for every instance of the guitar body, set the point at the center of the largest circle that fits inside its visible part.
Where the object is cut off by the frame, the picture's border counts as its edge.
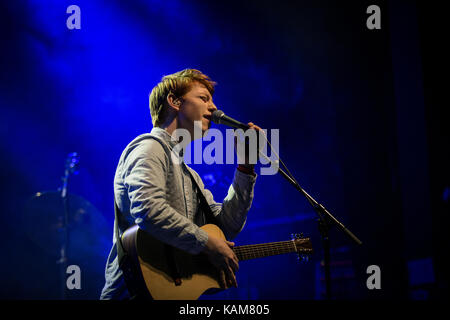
(168, 273)
(160, 266)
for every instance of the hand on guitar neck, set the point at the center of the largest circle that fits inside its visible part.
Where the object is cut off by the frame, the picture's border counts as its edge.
(223, 257)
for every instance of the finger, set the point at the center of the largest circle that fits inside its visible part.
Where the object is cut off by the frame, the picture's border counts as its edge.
(234, 263)
(253, 126)
(237, 141)
(222, 280)
(231, 277)
(231, 244)
(234, 259)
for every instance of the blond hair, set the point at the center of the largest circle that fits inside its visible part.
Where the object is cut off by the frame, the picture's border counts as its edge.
(179, 84)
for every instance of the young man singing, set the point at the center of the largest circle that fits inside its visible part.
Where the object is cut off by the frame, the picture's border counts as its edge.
(158, 194)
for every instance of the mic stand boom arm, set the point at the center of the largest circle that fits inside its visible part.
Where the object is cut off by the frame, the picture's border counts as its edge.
(320, 209)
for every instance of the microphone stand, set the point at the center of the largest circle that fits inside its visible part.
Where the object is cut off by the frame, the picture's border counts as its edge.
(325, 221)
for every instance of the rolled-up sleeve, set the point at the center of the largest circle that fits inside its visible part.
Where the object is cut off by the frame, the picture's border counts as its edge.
(145, 180)
(232, 212)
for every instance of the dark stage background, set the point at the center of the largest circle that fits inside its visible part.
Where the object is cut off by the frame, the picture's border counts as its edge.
(361, 126)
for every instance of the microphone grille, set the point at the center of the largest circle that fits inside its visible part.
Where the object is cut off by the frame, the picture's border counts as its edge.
(216, 115)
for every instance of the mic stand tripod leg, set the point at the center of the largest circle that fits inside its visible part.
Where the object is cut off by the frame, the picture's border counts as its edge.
(323, 230)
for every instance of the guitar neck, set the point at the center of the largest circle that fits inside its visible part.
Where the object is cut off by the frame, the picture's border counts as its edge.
(264, 250)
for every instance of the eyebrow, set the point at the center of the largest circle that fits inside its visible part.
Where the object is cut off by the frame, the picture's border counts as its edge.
(206, 93)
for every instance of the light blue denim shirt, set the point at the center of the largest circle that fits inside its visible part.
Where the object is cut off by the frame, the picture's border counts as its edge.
(158, 195)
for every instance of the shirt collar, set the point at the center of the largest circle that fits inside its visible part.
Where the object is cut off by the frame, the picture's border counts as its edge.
(164, 135)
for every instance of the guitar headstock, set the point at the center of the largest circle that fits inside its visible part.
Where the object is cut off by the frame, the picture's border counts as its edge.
(303, 246)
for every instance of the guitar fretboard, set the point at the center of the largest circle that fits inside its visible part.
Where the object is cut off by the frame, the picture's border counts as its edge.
(263, 250)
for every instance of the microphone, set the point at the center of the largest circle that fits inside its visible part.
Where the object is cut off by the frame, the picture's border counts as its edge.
(218, 117)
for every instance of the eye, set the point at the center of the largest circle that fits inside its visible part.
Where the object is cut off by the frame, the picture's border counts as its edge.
(204, 98)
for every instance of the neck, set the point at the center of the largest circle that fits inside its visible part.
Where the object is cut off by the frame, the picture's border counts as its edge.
(174, 124)
(171, 126)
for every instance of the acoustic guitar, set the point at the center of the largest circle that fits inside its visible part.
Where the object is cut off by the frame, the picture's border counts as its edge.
(172, 274)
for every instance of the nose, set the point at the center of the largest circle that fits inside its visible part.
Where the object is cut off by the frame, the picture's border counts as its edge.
(212, 107)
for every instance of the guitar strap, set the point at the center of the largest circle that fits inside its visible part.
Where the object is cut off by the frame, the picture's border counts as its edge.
(205, 214)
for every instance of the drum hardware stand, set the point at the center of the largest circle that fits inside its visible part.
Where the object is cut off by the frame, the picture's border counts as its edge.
(70, 168)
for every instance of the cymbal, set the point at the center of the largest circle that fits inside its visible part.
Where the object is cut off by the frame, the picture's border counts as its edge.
(43, 221)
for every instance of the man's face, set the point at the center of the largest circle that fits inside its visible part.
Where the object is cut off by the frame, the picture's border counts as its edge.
(197, 105)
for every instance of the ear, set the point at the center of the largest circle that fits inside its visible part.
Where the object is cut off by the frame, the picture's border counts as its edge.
(173, 101)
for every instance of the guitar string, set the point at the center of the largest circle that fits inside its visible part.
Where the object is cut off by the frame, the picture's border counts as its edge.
(245, 256)
(264, 252)
(289, 242)
(265, 249)
(248, 251)
(263, 246)
(278, 245)
(250, 248)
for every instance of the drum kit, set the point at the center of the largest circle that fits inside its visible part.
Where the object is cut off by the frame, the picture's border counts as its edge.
(66, 230)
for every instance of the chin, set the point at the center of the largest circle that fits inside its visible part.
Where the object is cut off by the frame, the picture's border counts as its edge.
(206, 127)
(205, 130)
